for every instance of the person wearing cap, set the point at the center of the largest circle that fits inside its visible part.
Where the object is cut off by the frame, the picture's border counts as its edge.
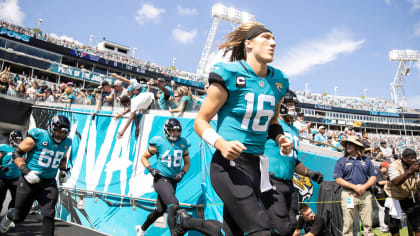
(281, 202)
(132, 92)
(90, 98)
(303, 127)
(41, 90)
(355, 173)
(386, 151)
(366, 142)
(381, 179)
(320, 137)
(403, 189)
(106, 97)
(140, 103)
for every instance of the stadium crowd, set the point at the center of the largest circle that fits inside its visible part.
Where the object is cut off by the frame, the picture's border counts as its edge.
(370, 104)
(136, 62)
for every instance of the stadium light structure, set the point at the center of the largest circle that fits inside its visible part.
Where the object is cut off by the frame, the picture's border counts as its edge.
(173, 62)
(90, 39)
(405, 57)
(220, 12)
(39, 24)
(134, 51)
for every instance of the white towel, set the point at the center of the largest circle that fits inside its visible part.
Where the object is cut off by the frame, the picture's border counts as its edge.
(394, 208)
(265, 178)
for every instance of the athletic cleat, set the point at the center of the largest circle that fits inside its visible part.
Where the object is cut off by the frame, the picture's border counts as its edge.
(139, 231)
(181, 217)
(5, 224)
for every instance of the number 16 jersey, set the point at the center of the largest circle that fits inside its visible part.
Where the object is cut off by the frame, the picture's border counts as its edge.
(251, 102)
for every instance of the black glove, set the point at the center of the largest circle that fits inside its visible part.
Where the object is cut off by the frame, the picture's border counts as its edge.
(154, 172)
(315, 176)
(63, 175)
(178, 177)
(4, 169)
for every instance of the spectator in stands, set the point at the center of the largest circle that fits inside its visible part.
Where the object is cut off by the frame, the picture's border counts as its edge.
(303, 127)
(138, 104)
(355, 173)
(198, 100)
(21, 90)
(41, 90)
(386, 151)
(4, 80)
(320, 137)
(314, 225)
(348, 131)
(49, 96)
(366, 143)
(68, 96)
(377, 154)
(164, 94)
(105, 98)
(118, 90)
(404, 190)
(185, 103)
(31, 93)
(381, 180)
(90, 99)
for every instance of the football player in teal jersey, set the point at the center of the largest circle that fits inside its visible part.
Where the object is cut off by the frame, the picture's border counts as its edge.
(246, 95)
(170, 151)
(9, 173)
(45, 154)
(281, 201)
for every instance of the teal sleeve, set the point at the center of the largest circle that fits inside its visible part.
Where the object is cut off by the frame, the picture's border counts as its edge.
(35, 133)
(156, 141)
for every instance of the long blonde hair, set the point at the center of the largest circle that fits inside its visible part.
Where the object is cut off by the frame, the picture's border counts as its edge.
(235, 41)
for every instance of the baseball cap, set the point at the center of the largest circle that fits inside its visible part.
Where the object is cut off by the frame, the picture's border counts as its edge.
(134, 86)
(117, 83)
(70, 84)
(384, 164)
(104, 83)
(321, 127)
(43, 83)
(161, 80)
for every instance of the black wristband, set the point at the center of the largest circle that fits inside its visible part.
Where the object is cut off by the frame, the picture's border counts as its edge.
(24, 169)
(274, 130)
(149, 168)
(18, 153)
(64, 169)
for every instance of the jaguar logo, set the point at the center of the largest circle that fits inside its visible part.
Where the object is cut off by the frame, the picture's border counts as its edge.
(304, 186)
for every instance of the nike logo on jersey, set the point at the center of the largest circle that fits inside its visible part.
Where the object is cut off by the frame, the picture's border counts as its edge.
(240, 82)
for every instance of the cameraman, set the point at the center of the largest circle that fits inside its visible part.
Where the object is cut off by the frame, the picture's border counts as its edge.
(404, 186)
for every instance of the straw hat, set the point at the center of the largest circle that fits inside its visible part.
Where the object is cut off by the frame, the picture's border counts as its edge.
(351, 139)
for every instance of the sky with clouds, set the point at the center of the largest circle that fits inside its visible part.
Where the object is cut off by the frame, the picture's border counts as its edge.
(326, 43)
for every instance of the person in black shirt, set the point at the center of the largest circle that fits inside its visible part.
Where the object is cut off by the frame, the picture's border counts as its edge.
(314, 225)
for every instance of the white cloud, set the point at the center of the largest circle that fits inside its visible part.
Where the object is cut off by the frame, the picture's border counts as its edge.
(388, 2)
(65, 37)
(309, 54)
(148, 12)
(186, 11)
(415, 4)
(10, 11)
(183, 36)
(414, 102)
(416, 28)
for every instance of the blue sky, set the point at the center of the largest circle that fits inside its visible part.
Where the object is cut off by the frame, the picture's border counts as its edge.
(325, 43)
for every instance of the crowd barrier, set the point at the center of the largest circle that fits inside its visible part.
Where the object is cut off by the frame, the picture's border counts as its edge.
(109, 190)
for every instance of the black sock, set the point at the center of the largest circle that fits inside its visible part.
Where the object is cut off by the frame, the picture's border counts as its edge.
(47, 226)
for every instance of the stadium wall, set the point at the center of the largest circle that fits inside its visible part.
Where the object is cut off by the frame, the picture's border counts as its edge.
(110, 191)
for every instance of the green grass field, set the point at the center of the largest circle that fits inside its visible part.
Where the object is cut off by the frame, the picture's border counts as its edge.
(403, 232)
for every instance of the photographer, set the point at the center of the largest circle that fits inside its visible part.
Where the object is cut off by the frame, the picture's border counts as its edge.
(404, 186)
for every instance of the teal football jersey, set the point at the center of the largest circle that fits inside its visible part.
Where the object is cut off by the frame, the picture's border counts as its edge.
(169, 155)
(250, 105)
(283, 166)
(165, 104)
(46, 156)
(7, 161)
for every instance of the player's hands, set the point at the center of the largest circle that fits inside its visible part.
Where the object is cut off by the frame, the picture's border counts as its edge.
(286, 145)
(230, 149)
(63, 175)
(32, 177)
(414, 167)
(315, 176)
(4, 169)
(178, 177)
(154, 172)
(117, 116)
